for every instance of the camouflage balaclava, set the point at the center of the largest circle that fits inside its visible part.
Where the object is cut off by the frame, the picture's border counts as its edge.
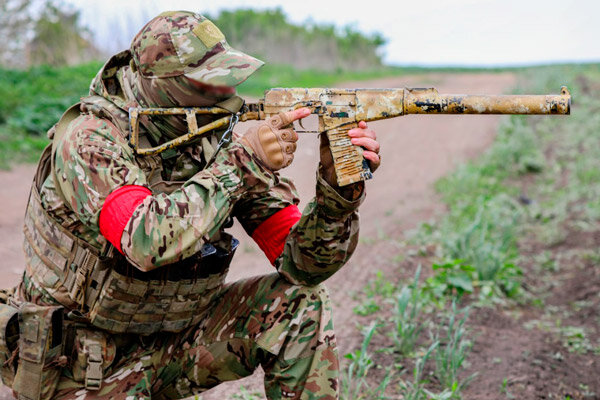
(169, 54)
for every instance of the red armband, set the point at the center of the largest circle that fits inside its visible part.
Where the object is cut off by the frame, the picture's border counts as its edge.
(272, 233)
(117, 211)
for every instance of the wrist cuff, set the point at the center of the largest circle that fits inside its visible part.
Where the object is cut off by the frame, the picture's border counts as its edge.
(333, 203)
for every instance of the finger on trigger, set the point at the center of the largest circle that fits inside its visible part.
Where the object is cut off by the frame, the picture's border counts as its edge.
(362, 124)
(295, 115)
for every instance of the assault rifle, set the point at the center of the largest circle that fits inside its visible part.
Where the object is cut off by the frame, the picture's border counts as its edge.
(340, 110)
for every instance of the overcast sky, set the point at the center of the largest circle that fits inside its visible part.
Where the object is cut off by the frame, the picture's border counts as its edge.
(432, 32)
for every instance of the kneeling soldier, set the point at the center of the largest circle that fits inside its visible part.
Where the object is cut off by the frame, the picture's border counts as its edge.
(133, 248)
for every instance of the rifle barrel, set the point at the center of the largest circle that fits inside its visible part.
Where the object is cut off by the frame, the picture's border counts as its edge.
(429, 101)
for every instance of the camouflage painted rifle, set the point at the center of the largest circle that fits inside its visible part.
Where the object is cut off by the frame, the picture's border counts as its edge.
(340, 110)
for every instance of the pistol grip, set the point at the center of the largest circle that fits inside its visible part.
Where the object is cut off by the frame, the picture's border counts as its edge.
(350, 166)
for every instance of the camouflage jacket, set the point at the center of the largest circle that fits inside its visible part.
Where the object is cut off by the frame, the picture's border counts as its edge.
(93, 159)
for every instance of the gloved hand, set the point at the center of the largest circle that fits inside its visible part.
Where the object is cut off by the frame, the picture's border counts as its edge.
(274, 140)
(360, 136)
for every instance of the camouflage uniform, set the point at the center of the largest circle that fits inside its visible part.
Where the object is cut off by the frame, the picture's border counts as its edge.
(280, 321)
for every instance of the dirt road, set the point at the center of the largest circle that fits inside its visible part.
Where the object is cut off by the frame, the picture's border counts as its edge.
(416, 151)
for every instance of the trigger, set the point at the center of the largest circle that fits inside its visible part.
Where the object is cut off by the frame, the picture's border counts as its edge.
(301, 126)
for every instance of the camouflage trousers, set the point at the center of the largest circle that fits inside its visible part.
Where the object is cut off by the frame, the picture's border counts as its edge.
(264, 321)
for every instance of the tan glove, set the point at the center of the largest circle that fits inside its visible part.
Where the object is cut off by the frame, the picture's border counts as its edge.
(274, 140)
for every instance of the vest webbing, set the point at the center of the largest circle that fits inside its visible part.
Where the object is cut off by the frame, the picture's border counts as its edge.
(96, 278)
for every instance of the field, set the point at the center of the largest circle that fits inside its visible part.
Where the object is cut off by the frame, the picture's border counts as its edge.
(499, 296)
(480, 246)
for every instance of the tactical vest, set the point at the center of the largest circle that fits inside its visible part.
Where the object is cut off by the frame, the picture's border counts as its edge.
(105, 290)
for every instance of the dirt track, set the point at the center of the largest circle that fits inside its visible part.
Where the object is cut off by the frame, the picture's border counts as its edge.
(416, 151)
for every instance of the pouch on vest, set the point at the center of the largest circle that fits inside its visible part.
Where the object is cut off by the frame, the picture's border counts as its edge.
(40, 351)
(9, 337)
(93, 353)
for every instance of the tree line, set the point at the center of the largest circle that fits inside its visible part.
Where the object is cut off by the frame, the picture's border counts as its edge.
(46, 32)
(269, 35)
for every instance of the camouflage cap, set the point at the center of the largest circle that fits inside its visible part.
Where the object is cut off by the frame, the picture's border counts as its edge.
(184, 43)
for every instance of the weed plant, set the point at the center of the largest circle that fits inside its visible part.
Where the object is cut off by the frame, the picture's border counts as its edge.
(415, 389)
(487, 239)
(575, 339)
(451, 353)
(504, 389)
(478, 238)
(406, 319)
(354, 382)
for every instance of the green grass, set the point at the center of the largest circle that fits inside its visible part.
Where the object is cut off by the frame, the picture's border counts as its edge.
(414, 389)
(31, 101)
(17, 147)
(378, 287)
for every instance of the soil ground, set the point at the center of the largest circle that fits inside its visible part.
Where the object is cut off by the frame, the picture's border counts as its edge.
(524, 351)
(416, 151)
